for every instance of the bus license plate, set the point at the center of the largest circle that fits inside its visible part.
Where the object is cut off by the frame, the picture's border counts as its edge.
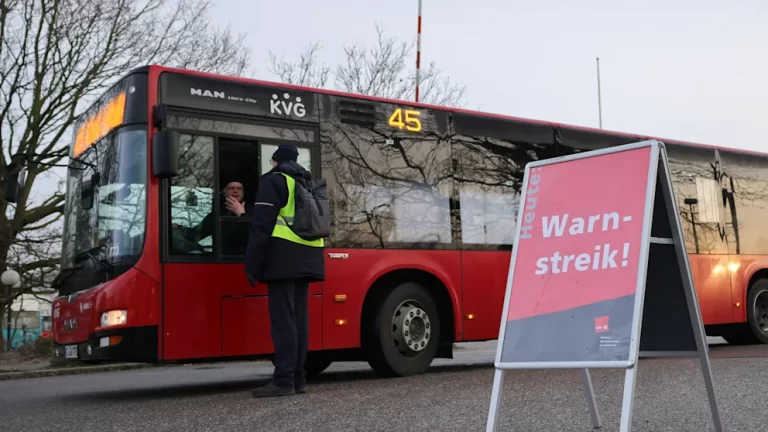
(70, 351)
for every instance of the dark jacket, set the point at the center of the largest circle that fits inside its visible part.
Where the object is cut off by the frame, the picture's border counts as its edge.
(234, 234)
(271, 259)
(206, 226)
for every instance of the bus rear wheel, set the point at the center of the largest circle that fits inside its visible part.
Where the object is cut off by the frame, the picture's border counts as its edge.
(403, 336)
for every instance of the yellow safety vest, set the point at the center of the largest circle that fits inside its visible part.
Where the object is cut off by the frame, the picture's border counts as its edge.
(285, 219)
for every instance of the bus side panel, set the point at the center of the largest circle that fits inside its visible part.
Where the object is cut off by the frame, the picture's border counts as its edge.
(744, 267)
(485, 281)
(712, 282)
(210, 310)
(704, 220)
(192, 309)
(351, 272)
(744, 187)
(488, 159)
(246, 327)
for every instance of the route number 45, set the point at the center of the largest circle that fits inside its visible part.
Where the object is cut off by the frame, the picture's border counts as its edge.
(408, 119)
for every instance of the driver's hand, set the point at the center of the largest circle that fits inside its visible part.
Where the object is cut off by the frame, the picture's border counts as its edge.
(234, 206)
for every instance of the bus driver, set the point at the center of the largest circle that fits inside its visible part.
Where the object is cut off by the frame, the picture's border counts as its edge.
(234, 205)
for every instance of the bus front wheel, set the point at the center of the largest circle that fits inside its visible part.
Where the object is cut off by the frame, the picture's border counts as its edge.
(403, 336)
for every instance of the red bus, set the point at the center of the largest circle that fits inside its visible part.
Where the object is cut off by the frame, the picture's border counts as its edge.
(424, 200)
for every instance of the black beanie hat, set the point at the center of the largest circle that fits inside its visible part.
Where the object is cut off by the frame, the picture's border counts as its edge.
(285, 153)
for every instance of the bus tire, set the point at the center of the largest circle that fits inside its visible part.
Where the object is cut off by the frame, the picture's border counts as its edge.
(757, 311)
(755, 331)
(315, 365)
(403, 337)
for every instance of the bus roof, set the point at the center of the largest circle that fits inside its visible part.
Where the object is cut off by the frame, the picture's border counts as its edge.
(436, 107)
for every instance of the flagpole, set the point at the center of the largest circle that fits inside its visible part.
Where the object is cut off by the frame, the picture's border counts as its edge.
(599, 96)
(418, 53)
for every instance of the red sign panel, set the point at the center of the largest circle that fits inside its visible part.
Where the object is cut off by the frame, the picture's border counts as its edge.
(576, 268)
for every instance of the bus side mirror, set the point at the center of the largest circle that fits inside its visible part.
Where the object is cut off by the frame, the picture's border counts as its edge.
(165, 153)
(86, 198)
(14, 181)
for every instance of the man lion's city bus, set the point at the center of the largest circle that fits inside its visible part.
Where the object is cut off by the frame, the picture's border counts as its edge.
(424, 201)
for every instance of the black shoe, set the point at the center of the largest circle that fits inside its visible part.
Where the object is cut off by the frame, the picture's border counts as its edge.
(271, 390)
(300, 383)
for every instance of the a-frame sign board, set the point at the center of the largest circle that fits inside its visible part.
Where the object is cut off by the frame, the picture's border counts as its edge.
(599, 256)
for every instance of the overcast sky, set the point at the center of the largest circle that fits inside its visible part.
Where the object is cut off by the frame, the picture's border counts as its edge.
(694, 70)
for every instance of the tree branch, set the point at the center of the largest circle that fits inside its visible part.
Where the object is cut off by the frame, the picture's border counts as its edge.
(56, 57)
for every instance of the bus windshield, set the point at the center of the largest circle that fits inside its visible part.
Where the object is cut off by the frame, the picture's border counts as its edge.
(113, 228)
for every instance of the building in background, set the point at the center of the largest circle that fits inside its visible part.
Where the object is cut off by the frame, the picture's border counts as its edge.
(30, 318)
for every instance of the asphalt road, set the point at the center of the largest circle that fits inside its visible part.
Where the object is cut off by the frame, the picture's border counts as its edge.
(453, 396)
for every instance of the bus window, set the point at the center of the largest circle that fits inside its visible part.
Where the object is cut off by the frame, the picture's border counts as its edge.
(489, 158)
(305, 157)
(191, 199)
(390, 187)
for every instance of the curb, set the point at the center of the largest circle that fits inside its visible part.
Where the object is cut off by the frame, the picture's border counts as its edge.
(72, 371)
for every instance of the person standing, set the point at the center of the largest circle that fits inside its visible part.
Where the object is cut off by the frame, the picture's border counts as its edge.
(275, 255)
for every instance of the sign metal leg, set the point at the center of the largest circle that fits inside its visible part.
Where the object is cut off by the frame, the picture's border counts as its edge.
(498, 384)
(586, 381)
(630, 378)
(706, 366)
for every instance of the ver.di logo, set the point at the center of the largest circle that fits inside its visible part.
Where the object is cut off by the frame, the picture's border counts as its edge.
(287, 107)
(601, 324)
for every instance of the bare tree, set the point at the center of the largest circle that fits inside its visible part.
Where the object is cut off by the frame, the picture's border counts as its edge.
(384, 70)
(56, 56)
(305, 71)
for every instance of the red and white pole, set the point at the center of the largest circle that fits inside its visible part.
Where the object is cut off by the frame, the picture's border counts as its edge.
(418, 54)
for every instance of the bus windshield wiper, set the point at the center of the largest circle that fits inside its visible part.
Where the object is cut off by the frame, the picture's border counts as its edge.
(101, 263)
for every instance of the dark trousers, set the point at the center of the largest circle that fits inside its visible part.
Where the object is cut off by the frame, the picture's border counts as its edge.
(290, 329)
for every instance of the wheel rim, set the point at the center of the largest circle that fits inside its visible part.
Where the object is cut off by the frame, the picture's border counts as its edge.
(411, 329)
(761, 311)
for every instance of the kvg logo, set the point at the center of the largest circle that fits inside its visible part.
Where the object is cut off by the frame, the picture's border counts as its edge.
(287, 107)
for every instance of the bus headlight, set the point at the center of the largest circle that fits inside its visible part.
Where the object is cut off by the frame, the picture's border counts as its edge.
(114, 317)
